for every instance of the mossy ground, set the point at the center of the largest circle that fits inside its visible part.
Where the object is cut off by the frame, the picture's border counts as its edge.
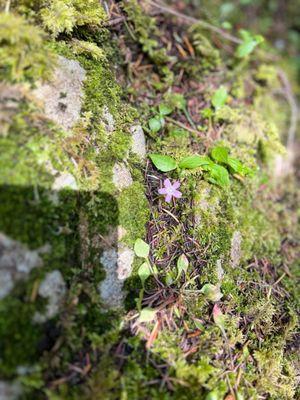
(90, 353)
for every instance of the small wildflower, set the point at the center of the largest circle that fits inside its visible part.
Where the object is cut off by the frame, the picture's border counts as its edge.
(170, 190)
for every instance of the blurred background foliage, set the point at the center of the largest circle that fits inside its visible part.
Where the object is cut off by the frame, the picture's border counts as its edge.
(277, 20)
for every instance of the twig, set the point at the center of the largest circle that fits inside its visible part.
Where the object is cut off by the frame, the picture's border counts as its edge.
(114, 21)
(193, 20)
(181, 125)
(293, 106)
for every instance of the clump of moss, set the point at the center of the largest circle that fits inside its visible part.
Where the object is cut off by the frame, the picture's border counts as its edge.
(24, 56)
(63, 16)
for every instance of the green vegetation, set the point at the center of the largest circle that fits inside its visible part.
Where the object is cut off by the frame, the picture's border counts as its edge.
(211, 304)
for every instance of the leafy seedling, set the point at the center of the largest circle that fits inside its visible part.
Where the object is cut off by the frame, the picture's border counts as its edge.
(144, 272)
(147, 314)
(219, 317)
(155, 124)
(182, 265)
(250, 42)
(158, 121)
(218, 175)
(192, 162)
(211, 292)
(220, 154)
(219, 98)
(141, 248)
(163, 163)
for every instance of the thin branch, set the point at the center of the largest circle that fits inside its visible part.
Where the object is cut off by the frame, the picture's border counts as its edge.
(175, 122)
(115, 21)
(193, 20)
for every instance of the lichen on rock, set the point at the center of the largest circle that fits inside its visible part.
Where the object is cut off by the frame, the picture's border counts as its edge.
(62, 96)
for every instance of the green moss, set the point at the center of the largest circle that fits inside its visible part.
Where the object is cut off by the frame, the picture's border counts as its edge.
(19, 337)
(133, 212)
(190, 354)
(63, 16)
(23, 55)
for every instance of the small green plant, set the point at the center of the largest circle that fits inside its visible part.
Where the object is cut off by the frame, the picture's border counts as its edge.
(174, 101)
(142, 250)
(250, 42)
(158, 121)
(216, 167)
(219, 98)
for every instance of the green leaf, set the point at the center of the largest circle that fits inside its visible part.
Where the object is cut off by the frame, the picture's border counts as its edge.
(182, 265)
(165, 109)
(155, 124)
(211, 292)
(219, 175)
(144, 272)
(169, 279)
(147, 314)
(246, 48)
(195, 161)
(249, 43)
(178, 100)
(238, 167)
(214, 395)
(219, 317)
(219, 98)
(141, 248)
(220, 154)
(198, 324)
(163, 163)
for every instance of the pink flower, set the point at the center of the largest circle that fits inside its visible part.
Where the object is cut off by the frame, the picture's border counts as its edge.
(170, 190)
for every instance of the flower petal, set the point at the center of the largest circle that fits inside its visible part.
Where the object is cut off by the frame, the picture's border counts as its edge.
(176, 185)
(177, 194)
(168, 198)
(167, 183)
(162, 191)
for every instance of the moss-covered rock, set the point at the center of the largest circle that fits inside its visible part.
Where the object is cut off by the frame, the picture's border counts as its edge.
(211, 314)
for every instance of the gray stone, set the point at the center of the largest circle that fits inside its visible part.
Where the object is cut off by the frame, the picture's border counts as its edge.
(111, 288)
(16, 262)
(62, 95)
(10, 390)
(235, 251)
(125, 260)
(121, 176)
(108, 120)
(117, 266)
(53, 288)
(64, 181)
(138, 146)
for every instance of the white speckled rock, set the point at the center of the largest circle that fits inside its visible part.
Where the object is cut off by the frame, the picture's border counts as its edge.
(118, 267)
(16, 262)
(138, 141)
(64, 181)
(53, 288)
(125, 260)
(121, 176)
(62, 96)
(10, 390)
